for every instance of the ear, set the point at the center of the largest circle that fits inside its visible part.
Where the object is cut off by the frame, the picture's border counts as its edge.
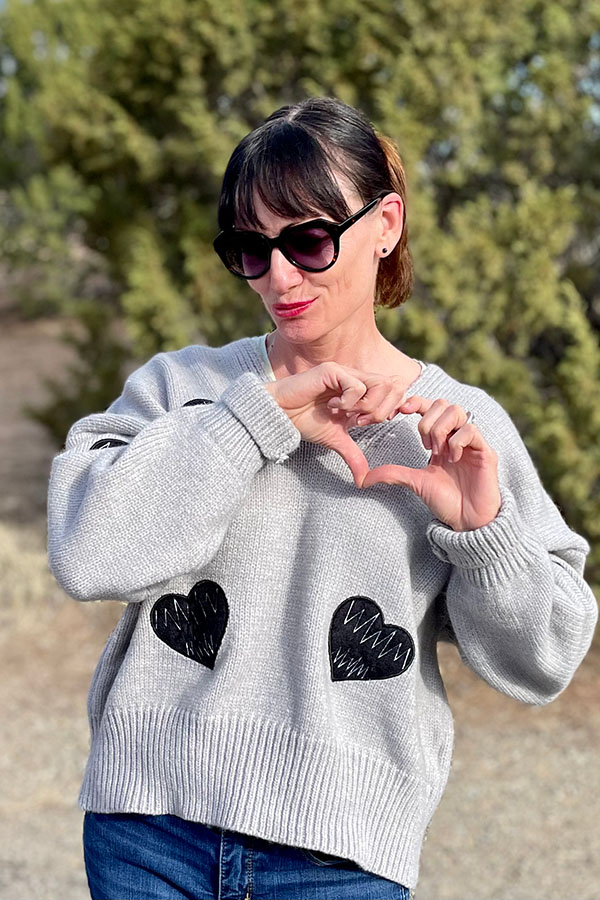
(391, 223)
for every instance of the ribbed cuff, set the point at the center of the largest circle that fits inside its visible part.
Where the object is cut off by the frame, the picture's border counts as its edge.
(503, 544)
(259, 412)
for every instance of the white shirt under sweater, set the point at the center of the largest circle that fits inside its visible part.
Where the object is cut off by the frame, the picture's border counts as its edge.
(274, 671)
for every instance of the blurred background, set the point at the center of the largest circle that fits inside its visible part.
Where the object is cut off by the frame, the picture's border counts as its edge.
(116, 122)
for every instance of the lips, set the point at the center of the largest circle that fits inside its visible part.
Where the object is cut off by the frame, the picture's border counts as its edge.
(291, 307)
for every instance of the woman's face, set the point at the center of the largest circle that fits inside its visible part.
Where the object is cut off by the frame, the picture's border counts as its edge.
(341, 296)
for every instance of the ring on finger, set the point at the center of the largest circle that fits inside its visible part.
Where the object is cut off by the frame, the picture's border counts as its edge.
(470, 421)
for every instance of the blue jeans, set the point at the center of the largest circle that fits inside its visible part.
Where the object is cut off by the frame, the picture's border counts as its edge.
(138, 857)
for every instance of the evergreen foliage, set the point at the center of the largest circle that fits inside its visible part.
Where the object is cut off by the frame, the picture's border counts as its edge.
(117, 120)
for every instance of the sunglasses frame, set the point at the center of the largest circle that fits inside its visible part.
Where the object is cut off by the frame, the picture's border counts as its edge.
(333, 229)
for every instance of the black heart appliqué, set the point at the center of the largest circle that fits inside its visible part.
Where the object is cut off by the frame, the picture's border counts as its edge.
(362, 647)
(107, 442)
(194, 625)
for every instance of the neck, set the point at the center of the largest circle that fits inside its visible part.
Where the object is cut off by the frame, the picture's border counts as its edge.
(369, 351)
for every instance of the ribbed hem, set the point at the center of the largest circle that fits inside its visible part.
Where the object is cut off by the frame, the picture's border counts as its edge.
(263, 779)
(253, 405)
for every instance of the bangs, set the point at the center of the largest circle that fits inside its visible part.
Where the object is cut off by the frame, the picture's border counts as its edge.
(288, 169)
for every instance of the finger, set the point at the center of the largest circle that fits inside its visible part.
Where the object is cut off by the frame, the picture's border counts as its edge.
(352, 419)
(376, 398)
(392, 474)
(429, 418)
(385, 411)
(383, 403)
(447, 422)
(466, 436)
(420, 406)
(416, 404)
(380, 414)
(353, 457)
(348, 396)
(383, 389)
(347, 387)
(384, 393)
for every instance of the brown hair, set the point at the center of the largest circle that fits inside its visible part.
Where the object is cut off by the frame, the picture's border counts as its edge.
(395, 273)
(290, 161)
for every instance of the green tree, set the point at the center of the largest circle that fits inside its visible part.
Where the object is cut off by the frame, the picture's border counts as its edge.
(118, 118)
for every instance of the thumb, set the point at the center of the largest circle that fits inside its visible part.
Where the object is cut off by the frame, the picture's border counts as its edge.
(353, 457)
(391, 474)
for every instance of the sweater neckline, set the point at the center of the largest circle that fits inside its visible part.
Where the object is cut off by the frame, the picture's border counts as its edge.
(261, 348)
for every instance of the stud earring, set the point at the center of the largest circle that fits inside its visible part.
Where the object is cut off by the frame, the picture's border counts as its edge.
(384, 250)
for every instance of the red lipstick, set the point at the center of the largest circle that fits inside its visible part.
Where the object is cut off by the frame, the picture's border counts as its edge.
(287, 310)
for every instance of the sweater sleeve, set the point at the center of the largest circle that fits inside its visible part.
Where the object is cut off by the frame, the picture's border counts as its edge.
(143, 493)
(521, 613)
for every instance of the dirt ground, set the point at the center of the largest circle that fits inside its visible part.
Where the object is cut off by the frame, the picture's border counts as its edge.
(519, 820)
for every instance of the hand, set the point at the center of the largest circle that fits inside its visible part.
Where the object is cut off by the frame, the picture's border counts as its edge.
(460, 484)
(328, 399)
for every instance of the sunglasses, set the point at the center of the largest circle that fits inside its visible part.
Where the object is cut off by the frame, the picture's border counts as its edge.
(313, 246)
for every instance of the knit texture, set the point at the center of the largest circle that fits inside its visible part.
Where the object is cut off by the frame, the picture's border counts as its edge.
(274, 671)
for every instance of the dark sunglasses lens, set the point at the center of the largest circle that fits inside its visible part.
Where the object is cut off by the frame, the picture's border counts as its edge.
(310, 247)
(246, 254)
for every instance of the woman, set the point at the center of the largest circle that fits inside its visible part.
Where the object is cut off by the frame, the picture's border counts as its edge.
(294, 520)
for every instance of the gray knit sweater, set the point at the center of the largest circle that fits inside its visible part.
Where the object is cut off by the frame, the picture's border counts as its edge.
(274, 671)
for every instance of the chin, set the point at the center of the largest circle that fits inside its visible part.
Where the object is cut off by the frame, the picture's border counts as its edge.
(296, 330)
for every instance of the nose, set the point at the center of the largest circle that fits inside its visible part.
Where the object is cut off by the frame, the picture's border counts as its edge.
(284, 274)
